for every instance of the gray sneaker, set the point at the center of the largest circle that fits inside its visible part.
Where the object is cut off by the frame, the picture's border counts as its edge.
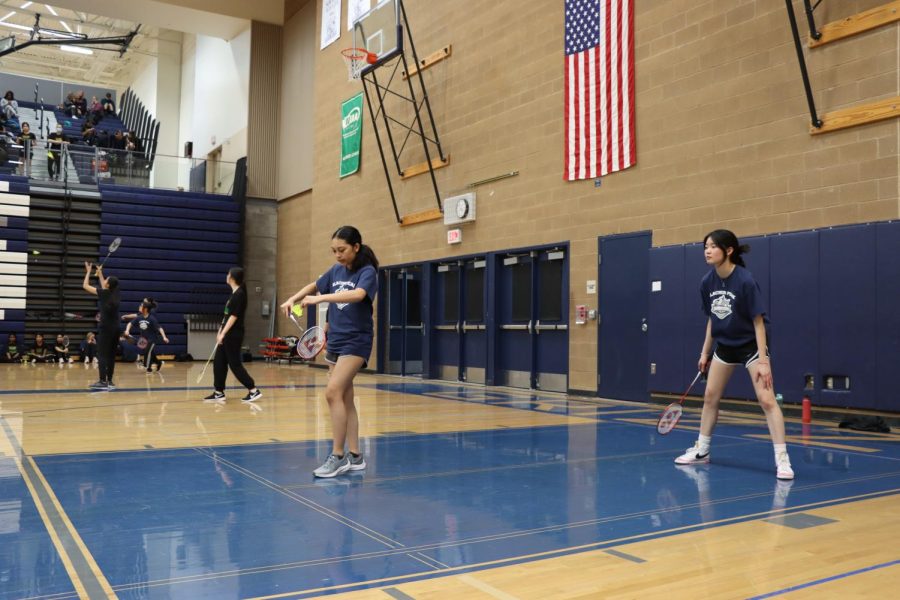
(333, 466)
(358, 463)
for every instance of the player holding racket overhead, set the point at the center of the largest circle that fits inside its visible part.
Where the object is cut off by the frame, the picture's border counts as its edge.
(108, 327)
(229, 340)
(349, 287)
(737, 321)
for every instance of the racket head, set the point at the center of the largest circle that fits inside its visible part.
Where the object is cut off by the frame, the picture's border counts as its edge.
(311, 343)
(142, 343)
(669, 419)
(114, 245)
(65, 340)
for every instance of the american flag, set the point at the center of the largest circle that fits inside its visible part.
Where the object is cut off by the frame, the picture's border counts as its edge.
(599, 83)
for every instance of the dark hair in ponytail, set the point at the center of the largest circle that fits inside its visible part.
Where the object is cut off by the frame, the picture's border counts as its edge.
(237, 273)
(112, 284)
(725, 239)
(365, 255)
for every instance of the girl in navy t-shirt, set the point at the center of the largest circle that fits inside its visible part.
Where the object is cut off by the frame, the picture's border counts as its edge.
(736, 321)
(349, 287)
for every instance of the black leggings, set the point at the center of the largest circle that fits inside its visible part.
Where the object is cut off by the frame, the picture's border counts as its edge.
(228, 355)
(150, 358)
(106, 353)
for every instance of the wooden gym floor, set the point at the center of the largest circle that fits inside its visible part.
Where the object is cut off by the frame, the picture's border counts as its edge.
(147, 492)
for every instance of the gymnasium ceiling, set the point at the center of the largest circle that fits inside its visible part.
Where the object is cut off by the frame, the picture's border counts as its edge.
(100, 18)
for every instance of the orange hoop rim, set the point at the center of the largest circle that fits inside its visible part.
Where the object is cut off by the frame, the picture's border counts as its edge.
(359, 54)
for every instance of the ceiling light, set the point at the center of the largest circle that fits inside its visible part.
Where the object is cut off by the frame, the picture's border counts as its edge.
(53, 12)
(8, 16)
(66, 25)
(14, 26)
(27, 4)
(76, 49)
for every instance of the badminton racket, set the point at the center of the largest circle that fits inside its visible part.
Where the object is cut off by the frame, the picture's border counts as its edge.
(112, 248)
(208, 360)
(673, 412)
(313, 339)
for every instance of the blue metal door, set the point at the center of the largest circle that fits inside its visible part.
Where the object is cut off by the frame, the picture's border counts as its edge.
(532, 319)
(473, 308)
(445, 343)
(624, 292)
(403, 301)
(459, 340)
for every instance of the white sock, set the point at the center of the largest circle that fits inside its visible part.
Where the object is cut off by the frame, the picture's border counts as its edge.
(703, 442)
(779, 448)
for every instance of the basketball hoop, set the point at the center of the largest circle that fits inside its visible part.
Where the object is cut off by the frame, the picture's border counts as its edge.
(356, 59)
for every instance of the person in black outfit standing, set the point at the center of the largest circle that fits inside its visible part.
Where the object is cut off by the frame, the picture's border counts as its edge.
(229, 340)
(108, 328)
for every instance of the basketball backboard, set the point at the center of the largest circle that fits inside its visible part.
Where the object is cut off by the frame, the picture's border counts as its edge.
(7, 43)
(379, 31)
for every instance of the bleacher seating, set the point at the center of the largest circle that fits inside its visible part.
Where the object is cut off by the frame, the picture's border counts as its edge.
(176, 247)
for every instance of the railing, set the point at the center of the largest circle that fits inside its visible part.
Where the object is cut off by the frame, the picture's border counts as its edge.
(94, 165)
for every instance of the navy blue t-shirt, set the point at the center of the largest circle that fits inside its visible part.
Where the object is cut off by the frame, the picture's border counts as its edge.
(350, 329)
(731, 304)
(147, 327)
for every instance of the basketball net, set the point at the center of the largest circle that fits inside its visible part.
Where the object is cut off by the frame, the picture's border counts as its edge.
(356, 59)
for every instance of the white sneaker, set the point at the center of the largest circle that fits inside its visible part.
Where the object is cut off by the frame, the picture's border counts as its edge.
(60, 361)
(692, 456)
(87, 360)
(96, 362)
(783, 466)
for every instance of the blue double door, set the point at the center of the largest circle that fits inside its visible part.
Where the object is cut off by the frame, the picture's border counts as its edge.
(496, 319)
(459, 337)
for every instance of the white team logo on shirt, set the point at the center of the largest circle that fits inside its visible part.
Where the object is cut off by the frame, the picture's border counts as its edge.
(143, 325)
(342, 286)
(721, 304)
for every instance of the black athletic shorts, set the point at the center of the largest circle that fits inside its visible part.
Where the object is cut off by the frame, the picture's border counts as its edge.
(331, 358)
(744, 354)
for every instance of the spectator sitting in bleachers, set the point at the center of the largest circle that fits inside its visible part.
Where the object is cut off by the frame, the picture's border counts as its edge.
(109, 106)
(9, 107)
(134, 143)
(12, 353)
(96, 109)
(88, 348)
(71, 106)
(6, 140)
(82, 102)
(89, 134)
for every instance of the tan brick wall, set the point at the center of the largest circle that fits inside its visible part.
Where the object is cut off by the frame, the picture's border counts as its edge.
(722, 137)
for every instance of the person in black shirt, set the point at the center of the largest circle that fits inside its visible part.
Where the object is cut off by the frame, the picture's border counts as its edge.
(54, 152)
(28, 140)
(109, 105)
(13, 353)
(108, 327)
(40, 352)
(229, 339)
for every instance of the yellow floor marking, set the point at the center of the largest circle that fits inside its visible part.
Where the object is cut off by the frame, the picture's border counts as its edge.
(9, 445)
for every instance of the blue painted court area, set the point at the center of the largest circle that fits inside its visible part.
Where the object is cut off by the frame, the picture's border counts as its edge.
(251, 521)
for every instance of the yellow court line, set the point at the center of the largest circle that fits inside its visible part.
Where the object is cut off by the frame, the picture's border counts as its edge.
(55, 537)
(89, 558)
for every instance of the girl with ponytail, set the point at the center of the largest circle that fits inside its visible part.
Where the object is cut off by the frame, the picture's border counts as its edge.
(736, 322)
(349, 287)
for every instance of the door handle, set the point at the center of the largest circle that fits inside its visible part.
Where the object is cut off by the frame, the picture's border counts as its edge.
(644, 325)
(530, 330)
(537, 327)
